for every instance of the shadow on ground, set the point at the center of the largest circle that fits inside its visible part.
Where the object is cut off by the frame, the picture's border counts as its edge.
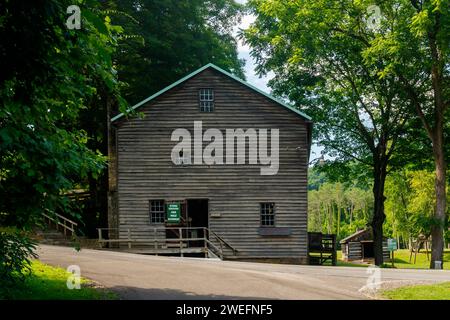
(134, 293)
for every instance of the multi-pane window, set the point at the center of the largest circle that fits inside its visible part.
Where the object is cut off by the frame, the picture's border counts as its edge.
(157, 211)
(206, 99)
(267, 211)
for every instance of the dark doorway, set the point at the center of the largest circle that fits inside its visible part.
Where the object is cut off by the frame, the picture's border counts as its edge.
(197, 215)
(367, 249)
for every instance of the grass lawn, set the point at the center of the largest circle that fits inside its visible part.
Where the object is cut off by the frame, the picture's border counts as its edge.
(50, 283)
(401, 260)
(439, 291)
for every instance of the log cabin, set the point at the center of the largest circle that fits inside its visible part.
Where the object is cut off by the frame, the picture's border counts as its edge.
(359, 246)
(210, 166)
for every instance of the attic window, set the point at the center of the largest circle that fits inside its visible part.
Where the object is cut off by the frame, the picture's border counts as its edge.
(206, 100)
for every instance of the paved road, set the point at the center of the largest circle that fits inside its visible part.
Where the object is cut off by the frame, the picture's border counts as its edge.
(135, 276)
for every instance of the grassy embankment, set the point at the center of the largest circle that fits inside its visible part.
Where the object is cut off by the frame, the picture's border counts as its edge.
(50, 283)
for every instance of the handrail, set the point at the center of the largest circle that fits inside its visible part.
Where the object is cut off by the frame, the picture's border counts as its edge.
(62, 217)
(181, 238)
(55, 218)
(222, 240)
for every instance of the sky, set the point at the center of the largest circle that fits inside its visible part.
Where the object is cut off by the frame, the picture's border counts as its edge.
(249, 69)
(244, 53)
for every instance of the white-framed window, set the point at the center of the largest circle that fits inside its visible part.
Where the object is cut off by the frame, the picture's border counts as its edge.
(267, 211)
(206, 100)
(157, 211)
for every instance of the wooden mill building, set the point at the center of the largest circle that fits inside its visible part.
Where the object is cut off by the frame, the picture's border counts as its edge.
(164, 202)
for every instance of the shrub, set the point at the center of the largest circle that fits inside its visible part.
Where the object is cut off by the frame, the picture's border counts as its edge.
(16, 250)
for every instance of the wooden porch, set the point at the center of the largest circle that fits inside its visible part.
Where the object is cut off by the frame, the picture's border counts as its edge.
(170, 241)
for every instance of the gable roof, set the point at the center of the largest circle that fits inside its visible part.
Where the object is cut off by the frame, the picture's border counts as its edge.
(356, 235)
(210, 65)
(360, 235)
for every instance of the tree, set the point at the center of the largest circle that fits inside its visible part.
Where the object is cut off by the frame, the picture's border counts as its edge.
(338, 208)
(48, 76)
(410, 203)
(178, 36)
(316, 51)
(417, 52)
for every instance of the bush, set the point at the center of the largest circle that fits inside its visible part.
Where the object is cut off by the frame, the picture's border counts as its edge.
(16, 250)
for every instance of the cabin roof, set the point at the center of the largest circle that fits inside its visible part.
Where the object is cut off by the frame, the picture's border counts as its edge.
(210, 65)
(355, 235)
(360, 236)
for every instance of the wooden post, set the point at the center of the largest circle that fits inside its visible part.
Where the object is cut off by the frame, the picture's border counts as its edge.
(392, 258)
(155, 240)
(221, 249)
(100, 243)
(181, 241)
(334, 254)
(113, 210)
(65, 228)
(129, 238)
(205, 243)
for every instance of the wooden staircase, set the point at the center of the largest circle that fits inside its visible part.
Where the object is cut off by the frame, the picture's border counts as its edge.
(57, 230)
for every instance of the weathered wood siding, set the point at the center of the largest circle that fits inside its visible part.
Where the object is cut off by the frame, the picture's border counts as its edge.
(353, 251)
(145, 169)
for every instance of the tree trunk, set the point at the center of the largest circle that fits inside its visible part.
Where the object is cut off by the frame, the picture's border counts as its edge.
(113, 214)
(437, 229)
(437, 138)
(378, 214)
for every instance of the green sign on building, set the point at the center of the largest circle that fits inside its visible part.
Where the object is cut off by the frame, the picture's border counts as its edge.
(173, 212)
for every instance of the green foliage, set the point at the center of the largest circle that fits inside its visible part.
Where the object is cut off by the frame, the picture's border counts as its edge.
(315, 49)
(335, 208)
(410, 203)
(16, 249)
(178, 36)
(49, 74)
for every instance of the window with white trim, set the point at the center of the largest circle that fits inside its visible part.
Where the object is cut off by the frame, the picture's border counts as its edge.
(157, 211)
(206, 100)
(267, 211)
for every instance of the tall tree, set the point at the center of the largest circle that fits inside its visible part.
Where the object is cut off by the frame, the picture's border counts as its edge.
(417, 53)
(315, 49)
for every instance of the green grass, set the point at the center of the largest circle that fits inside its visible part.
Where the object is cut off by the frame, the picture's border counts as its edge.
(401, 260)
(439, 291)
(50, 283)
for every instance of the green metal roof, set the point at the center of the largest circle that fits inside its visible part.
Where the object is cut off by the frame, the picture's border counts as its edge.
(210, 65)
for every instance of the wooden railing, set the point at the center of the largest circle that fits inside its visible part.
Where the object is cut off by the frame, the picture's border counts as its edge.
(209, 242)
(222, 242)
(60, 221)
